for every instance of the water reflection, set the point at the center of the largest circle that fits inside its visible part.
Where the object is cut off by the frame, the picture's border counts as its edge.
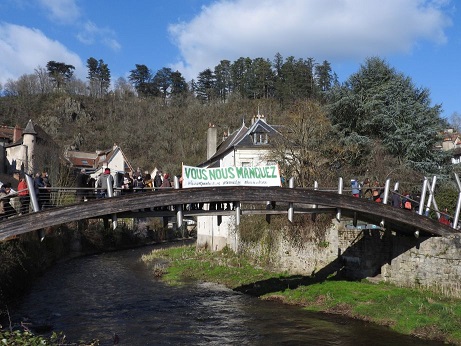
(114, 293)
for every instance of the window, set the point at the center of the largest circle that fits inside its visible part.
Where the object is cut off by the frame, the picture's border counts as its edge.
(260, 138)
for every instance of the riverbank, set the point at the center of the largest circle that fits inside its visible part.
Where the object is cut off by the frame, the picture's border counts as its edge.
(408, 311)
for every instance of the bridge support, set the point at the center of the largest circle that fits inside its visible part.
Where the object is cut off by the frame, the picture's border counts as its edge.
(179, 209)
(291, 185)
(340, 192)
(237, 212)
(315, 206)
(110, 194)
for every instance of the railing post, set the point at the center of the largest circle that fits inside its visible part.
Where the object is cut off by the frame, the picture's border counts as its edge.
(386, 191)
(291, 185)
(423, 197)
(458, 204)
(34, 200)
(110, 194)
(386, 197)
(33, 196)
(179, 211)
(340, 191)
(431, 199)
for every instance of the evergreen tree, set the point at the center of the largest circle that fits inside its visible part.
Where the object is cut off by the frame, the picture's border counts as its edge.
(324, 77)
(179, 85)
(141, 78)
(98, 76)
(223, 76)
(59, 72)
(206, 86)
(262, 79)
(380, 103)
(162, 82)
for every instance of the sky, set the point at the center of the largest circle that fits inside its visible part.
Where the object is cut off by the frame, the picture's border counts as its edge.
(419, 38)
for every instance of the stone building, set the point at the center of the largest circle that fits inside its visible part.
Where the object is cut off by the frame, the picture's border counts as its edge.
(28, 150)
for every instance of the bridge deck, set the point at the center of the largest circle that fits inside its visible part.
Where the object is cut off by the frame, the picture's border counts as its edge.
(399, 220)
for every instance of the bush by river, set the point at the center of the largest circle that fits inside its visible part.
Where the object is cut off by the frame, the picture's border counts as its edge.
(415, 312)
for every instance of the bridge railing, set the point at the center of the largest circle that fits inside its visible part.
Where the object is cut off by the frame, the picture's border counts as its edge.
(51, 197)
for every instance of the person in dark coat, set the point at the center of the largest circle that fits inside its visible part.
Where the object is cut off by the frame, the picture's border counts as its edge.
(396, 199)
(82, 185)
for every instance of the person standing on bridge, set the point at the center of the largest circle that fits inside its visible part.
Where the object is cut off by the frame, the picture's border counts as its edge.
(82, 185)
(104, 181)
(127, 186)
(6, 209)
(39, 186)
(23, 193)
(396, 199)
(165, 184)
(356, 188)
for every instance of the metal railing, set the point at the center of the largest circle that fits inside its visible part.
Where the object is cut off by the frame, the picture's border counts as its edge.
(50, 197)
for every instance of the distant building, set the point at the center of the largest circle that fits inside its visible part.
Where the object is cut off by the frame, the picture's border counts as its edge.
(28, 150)
(246, 147)
(95, 162)
(451, 141)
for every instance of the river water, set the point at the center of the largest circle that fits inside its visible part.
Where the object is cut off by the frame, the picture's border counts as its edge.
(111, 294)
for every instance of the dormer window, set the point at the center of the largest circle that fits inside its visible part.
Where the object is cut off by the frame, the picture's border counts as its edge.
(260, 138)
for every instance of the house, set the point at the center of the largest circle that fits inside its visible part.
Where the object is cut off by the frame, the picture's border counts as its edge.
(451, 140)
(95, 162)
(246, 147)
(28, 150)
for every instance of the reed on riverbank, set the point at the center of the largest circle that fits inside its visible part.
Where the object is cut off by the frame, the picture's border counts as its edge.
(409, 311)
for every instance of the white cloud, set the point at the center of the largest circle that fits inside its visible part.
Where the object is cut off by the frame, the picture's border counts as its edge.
(329, 29)
(91, 34)
(23, 49)
(64, 11)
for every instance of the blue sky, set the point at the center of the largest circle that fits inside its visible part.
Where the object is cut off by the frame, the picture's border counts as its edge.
(420, 38)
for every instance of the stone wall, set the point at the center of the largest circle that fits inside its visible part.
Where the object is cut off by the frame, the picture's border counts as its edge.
(428, 262)
(407, 261)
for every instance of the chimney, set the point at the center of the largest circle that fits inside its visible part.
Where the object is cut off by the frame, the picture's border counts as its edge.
(17, 133)
(212, 140)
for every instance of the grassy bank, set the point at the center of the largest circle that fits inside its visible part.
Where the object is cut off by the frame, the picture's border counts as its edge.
(408, 311)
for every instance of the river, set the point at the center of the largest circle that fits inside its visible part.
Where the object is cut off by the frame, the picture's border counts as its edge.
(111, 294)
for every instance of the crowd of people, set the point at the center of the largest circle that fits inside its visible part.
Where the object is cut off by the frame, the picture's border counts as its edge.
(375, 192)
(88, 187)
(41, 188)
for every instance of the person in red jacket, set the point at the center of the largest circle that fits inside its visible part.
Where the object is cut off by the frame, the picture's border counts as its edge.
(23, 193)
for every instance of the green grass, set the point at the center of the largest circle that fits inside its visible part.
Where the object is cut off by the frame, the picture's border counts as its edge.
(220, 267)
(409, 311)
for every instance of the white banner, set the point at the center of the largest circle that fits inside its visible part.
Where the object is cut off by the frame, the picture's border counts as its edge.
(230, 176)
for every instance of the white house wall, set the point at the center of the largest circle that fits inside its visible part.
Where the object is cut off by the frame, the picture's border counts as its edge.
(209, 234)
(117, 163)
(17, 156)
(251, 157)
(214, 237)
